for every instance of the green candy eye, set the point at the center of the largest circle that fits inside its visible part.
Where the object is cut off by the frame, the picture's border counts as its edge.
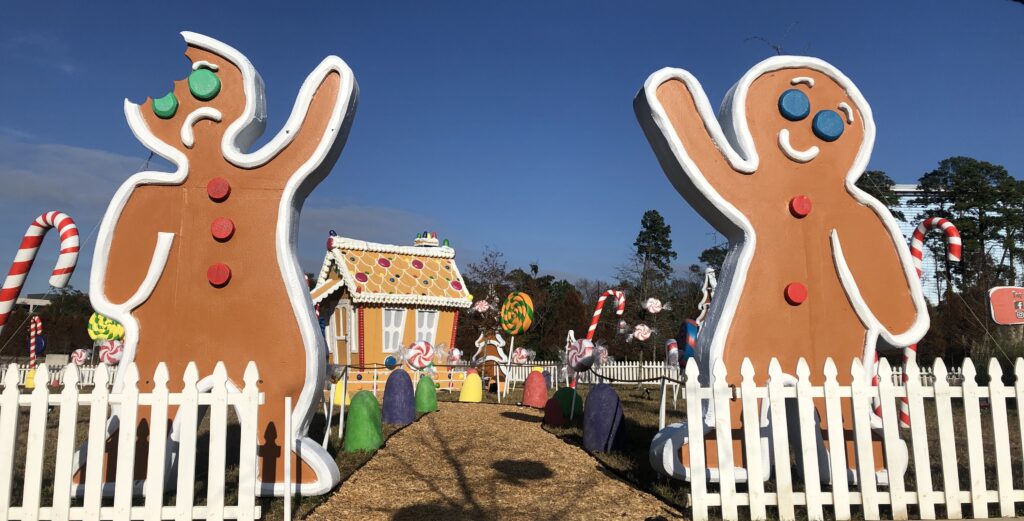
(204, 84)
(165, 107)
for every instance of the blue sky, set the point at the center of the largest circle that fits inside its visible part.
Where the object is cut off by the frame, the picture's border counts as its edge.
(507, 125)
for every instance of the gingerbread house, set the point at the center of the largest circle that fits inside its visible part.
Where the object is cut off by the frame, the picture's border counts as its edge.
(381, 297)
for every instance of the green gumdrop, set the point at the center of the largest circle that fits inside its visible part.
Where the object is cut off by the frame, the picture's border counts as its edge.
(165, 107)
(363, 430)
(426, 395)
(564, 398)
(204, 84)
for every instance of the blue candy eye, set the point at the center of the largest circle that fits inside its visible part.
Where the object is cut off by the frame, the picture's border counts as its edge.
(827, 125)
(794, 105)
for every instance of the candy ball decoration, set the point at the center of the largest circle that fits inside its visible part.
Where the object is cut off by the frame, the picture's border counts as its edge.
(390, 362)
(104, 328)
(517, 313)
(481, 306)
(399, 400)
(80, 356)
(420, 355)
(520, 356)
(642, 332)
(111, 352)
(580, 355)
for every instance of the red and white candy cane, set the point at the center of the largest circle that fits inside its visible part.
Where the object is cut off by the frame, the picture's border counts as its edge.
(620, 307)
(954, 249)
(35, 330)
(27, 254)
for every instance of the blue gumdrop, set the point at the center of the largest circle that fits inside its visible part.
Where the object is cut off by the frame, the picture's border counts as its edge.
(399, 400)
(794, 105)
(603, 421)
(827, 125)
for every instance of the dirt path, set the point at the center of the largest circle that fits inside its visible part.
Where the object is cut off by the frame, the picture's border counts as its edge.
(476, 461)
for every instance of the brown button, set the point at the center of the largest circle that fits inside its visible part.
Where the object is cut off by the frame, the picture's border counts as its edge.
(222, 228)
(218, 274)
(796, 293)
(800, 206)
(218, 188)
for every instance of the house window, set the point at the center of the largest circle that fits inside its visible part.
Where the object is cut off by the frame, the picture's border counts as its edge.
(426, 325)
(394, 326)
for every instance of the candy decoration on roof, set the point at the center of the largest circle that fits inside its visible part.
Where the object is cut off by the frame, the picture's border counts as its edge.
(102, 327)
(79, 356)
(517, 313)
(620, 307)
(66, 261)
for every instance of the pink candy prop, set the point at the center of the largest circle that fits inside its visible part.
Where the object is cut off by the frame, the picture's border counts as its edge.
(27, 254)
(481, 306)
(653, 306)
(35, 329)
(420, 355)
(111, 351)
(80, 356)
(620, 307)
(642, 332)
(520, 356)
(581, 355)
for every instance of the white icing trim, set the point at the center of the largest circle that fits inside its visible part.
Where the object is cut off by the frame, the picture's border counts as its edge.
(848, 111)
(409, 300)
(800, 156)
(802, 79)
(441, 252)
(203, 63)
(736, 144)
(187, 136)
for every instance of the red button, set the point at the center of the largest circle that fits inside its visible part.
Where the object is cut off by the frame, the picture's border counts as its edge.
(222, 228)
(796, 293)
(218, 188)
(800, 206)
(218, 274)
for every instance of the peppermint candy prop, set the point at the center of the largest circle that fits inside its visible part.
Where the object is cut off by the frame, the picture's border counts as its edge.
(620, 307)
(655, 306)
(481, 306)
(66, 261)
(520, 356)
(642, 332)
(80, 356)
(111, 352)
(580, 356)
(420, 355)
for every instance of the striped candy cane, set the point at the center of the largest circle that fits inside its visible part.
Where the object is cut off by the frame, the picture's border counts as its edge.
(35, 329)
(27, 254)
(620, 307)
(954, 249)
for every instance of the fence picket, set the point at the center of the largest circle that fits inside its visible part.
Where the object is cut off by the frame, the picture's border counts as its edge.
(65, 451)
(947, 445)
(128, 422)
(32, 484)
(836, 442)
(997, 404)
(8, 436)
(721, 397)
(695, 428)
(919, 439)
(860, 407)
(218, 442)
(157, 460)
(808, 441)
(752, 442)
(780, 441)
(94, 464)
(891, 440)
(247, 482)
(187, 419)
(975, 452)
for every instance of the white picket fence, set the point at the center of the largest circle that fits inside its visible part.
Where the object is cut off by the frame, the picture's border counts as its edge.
(86, 501)
(86, 374)
(970, 420)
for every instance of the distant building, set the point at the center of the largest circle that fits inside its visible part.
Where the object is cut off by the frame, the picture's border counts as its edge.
(33, 300)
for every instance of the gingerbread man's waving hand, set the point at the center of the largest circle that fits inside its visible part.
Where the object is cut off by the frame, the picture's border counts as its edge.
(817, 268)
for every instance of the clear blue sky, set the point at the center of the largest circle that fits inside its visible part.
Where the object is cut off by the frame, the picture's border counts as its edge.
(501, 124)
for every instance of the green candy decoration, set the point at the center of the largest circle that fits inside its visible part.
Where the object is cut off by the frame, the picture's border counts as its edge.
(363, 430)
(564, 397)
(204, 84)
(426, 395)
(102, 328)
(165, 107)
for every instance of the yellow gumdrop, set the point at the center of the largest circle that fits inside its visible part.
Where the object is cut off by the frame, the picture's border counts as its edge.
(30, 379)
(337, 396)
(538, 369)
(472, 389)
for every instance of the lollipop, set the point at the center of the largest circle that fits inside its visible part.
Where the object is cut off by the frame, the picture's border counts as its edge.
(581, 355)
(111, 351)
(481, 306)
(517, 313)
(642, 332)
(420, 355)
(79, 356)
(653, 305)
(520, 356)
(104, 328)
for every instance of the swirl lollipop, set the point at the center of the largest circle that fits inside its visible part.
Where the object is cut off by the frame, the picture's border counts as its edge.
(655, 306)
(580, 355)
(420, 355)
(520, 356)
(104, 328)
(481, 306)
(642, 332)
(111, 352)
(80, 356)
(517, 313)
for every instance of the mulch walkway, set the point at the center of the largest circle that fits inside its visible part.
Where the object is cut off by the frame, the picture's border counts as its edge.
(482, 462)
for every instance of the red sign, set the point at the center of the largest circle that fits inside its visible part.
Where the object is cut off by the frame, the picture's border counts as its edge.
(1007, 304)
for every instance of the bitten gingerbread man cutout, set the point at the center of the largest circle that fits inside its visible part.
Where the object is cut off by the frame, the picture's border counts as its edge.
(200, 264)
(817, 268)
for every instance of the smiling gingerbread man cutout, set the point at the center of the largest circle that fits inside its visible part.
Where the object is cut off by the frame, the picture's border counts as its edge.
(817, 268)
(199, 264)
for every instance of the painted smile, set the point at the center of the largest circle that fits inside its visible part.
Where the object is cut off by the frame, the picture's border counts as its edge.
(800, 156)
(187, 136)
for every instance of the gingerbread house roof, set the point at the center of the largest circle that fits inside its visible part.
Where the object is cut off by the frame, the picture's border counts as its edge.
(387, 274)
